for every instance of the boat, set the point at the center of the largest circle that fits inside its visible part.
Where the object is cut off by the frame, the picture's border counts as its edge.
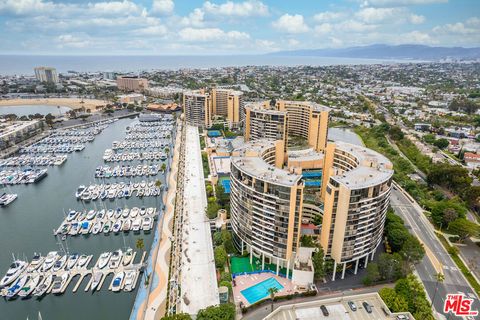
(129, 283)
(59, 282)
(59, 264)
(6, 199)
(82, 260)
(101, 214)
(72, 261)
(118, 281)
(15, 269)
(74, 228)
(50, 260)
(150, 211)
(29, 286)
(127, 225)
(117, 226)
(134, 212)
(125, 213)
(127, 256)
(91, 214)
(71, 215)
(17, 286)
(136, 224)
(85, 227)
(80, 191)
(42, 288)
(97, 227)
(103, 260)
(147, 223)
(115, 259)
(143, 210)
(110, 213)
(96, 278)
(106, 227)
(36, 262)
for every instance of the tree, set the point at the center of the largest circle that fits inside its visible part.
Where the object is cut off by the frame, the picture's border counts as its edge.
(440, 278)
(412, 250)
(449, 215)
(224, 311)
(272, 291)
(140, 245)
(396, 133)
(318, 261)
(178, 316)
(163, 167)
(220, 256)
(222, 197)
(390, 266)
(212, 209)
(307, 241)
(373, 275)
(463, 228)
(397, 234)
(394, 301)
(217, 238)
(441, 143)
(227, 241)
(49, 119)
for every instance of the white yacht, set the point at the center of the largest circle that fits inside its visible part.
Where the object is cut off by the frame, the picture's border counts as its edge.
(16, 268)
(103, 260)
(80, 191)
(36, 262)
(147, 223)
(17, 286)
(127, 257)
(29, 286)
(129, 283)
(136, 224)
(72, 261)
(107, 154)
(96, 278)
(115, 259)
(82, 260)
(118, 281)
(50, 260)
(59, 282)
(59, 264)
(6, 199)
(42, 288)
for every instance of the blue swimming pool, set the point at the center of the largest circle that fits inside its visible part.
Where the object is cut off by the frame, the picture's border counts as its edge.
(226, 185)
(214, 133)
(260, 290)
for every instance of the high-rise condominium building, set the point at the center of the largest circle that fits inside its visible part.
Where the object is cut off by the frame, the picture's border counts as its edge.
(226, 104)
(132, 83)
(291, 121)
(274, 188)
(196, 106)
(46, 74)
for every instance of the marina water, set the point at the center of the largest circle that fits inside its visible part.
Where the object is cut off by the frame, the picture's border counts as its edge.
(26, 227)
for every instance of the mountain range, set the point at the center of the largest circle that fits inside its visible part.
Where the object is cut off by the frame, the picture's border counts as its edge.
(383, 51)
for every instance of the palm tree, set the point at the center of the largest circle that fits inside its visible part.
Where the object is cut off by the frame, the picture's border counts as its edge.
(163, 167)
(272, 291)
(158, 183)
(140, 245)
(440, 277)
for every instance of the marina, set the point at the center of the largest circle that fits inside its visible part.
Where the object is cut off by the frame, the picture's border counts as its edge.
(24, 224)
(128, 171)
(53, 273)
(26, 176)
(107, 221)
(119, 190)
(110, 156)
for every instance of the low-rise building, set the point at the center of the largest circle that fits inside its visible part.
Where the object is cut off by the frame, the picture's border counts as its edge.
(472, 160)
(132, 83)
(12, 133)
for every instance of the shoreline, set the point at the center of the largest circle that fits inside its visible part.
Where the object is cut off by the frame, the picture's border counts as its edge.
(72, 103)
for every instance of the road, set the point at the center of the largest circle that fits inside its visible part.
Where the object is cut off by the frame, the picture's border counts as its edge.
(419, 225)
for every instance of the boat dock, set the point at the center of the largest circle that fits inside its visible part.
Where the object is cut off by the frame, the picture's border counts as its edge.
(79, 274)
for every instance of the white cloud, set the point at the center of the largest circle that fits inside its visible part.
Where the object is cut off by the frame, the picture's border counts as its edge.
(113, 8)
(457, 28)
(293, 42)
(388, 15)
(323, 28)
(354, 26)
(163, 6)
(239, 9)
(194, 19)
(291, 24)
(211, 34)
(158, 30)
(399, 3)
(71, 41)
(25, 7)
(328, 16)
(415, 37)
(417, 19)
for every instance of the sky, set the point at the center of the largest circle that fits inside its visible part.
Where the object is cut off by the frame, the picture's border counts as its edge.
(192, 27)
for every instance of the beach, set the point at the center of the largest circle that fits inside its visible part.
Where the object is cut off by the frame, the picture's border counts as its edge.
(73, 103)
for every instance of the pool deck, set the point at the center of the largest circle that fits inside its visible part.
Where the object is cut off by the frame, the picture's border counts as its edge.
(247, 281)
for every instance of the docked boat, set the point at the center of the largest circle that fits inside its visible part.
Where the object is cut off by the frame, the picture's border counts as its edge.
(127, 225)
(17, 286)
(44, 285)
(72, 261)
(50, 260)
(125, 213)
(6, 199)
(59, 264)
(118, 281)
(134, 212)
(110, 213)
(143, 210)
(97, 227)
(36, 262)
(103, 260)
(136, 224)
(147, 223)
(71, 215)
(85, 227)
(151, 211)
(117, 226)
(16, 268)
(74, 228)
(96, 278)
(59, 282)
(115, 259)
(29, 286)
(127, 257)
(107, 226)
(82, 260)
(80, 191)
(91, 214)
(129, 283)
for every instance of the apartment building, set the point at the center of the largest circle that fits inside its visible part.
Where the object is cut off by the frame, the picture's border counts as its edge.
(46, 74)
(197, 108)
(132, 83)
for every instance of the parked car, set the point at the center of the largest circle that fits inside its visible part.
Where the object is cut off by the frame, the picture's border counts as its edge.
(324, 310)
(367, 307)
(352, 305)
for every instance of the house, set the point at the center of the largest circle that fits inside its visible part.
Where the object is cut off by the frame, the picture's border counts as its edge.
(472, 160)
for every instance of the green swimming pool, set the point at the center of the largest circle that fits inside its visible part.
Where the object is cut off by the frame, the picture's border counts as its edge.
(260, 290)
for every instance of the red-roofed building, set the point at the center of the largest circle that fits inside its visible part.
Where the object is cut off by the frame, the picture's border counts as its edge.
(472, 160)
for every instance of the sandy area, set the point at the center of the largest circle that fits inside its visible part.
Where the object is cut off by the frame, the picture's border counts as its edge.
(73, 103)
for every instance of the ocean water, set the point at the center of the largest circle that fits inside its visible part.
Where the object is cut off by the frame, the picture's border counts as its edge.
(24, 64)
(25, 110)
